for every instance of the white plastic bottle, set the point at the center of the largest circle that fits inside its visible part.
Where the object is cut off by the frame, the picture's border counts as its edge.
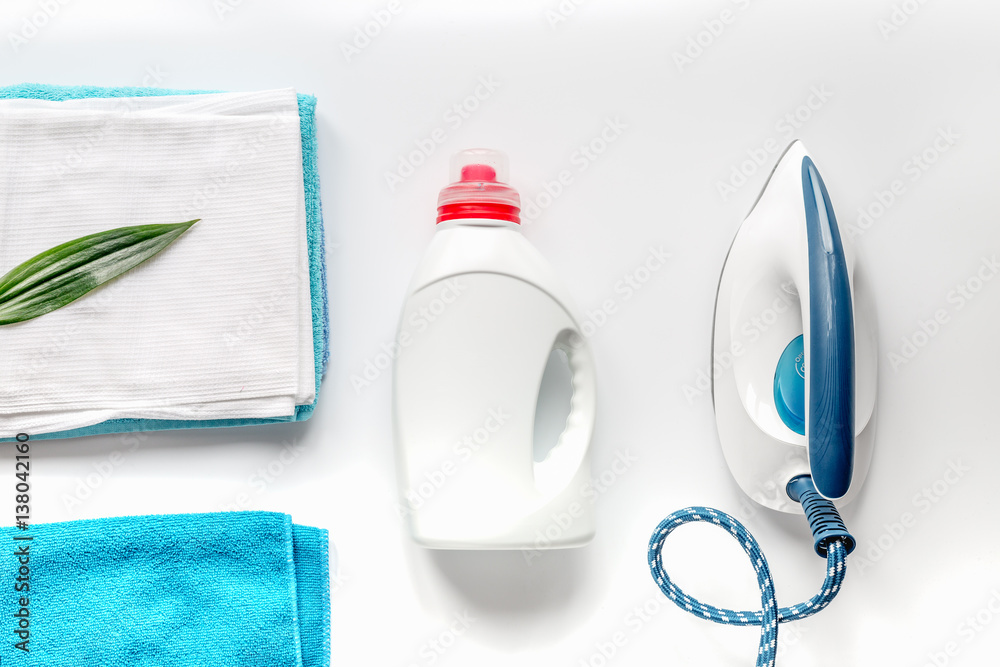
(482, 315)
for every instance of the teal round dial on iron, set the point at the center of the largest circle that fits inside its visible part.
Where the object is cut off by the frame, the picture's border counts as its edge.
(790, 386)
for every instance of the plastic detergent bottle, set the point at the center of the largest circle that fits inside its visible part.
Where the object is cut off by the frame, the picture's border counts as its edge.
(482, 316)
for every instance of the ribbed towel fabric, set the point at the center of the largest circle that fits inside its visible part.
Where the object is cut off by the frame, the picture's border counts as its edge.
(232, 589)
(227, 326)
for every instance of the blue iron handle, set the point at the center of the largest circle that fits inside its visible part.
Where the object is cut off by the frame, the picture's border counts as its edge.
(830, 417)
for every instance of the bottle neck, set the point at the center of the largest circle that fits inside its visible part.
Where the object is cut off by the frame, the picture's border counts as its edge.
(478, 222)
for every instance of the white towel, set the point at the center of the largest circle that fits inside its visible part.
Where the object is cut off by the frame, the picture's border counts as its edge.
(216, 326)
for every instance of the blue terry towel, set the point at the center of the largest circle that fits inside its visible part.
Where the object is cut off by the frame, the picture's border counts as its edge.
(239, 589)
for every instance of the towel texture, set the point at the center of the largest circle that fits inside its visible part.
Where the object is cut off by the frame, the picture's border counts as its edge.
(228, 327)
(236, 589)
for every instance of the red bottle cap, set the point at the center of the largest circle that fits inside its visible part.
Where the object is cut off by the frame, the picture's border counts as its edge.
(479, 188)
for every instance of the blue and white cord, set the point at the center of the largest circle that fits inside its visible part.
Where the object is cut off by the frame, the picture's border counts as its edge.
(835, 548)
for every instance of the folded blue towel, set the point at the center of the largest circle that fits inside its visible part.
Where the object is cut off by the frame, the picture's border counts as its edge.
(240, 589)
(315, 239)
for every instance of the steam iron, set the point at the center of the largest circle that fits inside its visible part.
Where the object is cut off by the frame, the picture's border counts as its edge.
(794, 346)
(795, 363)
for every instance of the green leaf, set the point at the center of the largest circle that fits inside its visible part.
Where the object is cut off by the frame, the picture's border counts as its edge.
(63, 274)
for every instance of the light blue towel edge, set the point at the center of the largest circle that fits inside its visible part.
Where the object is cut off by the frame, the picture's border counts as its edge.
(293, 587)
(304, 537)
(316, 241)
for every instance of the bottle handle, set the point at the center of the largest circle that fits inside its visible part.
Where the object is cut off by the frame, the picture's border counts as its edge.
(564, 460)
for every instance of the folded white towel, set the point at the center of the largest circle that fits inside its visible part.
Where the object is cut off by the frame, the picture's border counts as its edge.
(216, 326)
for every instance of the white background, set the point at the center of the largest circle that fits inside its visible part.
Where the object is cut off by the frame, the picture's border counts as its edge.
(887, 96)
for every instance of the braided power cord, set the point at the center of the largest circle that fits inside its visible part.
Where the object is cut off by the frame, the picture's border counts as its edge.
(832, 541)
